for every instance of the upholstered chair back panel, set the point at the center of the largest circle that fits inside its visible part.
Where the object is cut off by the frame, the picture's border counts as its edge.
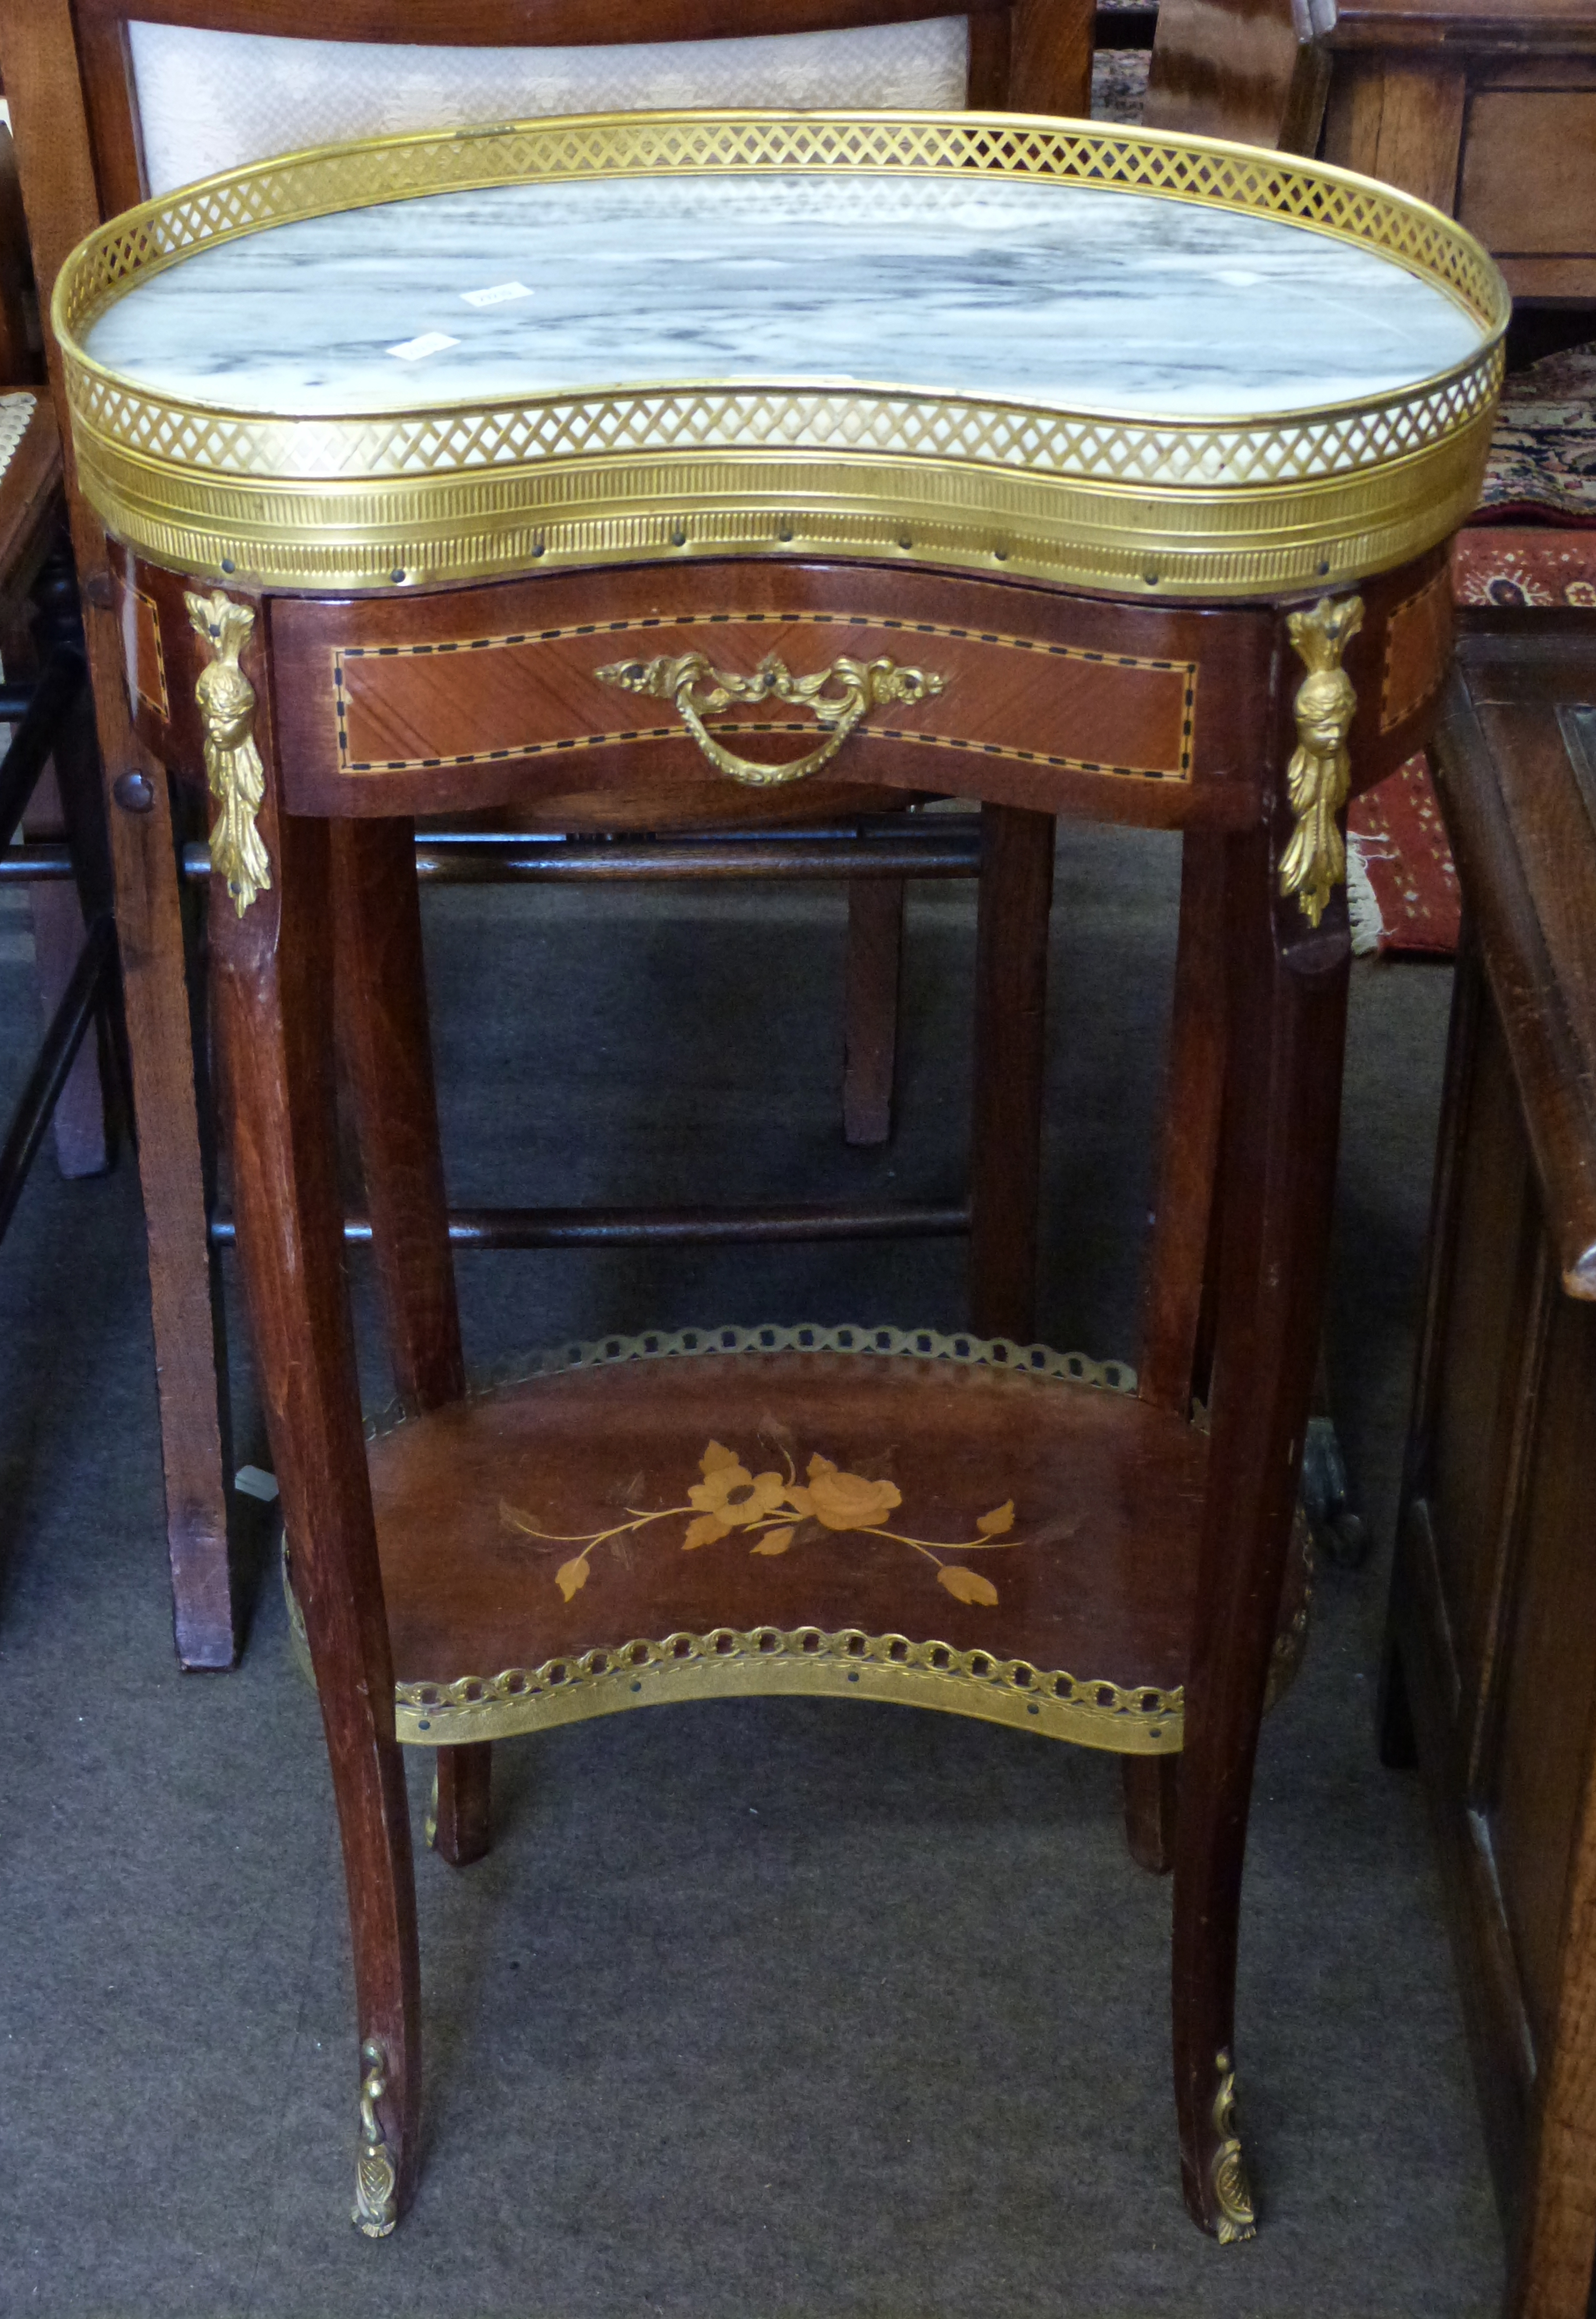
(209, 100)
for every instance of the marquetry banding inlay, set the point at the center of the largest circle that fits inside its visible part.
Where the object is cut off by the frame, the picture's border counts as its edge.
(1418, 637)
(141, 650)
(1146, 695)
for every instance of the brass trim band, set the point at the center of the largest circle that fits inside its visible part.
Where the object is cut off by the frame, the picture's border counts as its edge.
(1149, 506)
(771, 1661)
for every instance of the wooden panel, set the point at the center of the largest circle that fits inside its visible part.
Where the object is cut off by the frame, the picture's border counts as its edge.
(1483, 1347)
(1418, 640)
(1398, 119)
(1549, 1677)
(1053, 702)
(1530, 171)
(1465, 25)
(1556, 278)
(1522, 840)
(1094, 1577)
(1564, 70)
(1050, 58)
(514, 23)
(1481, 1946)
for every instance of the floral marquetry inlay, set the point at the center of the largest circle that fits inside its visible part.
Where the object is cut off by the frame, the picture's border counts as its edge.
(777, 1513)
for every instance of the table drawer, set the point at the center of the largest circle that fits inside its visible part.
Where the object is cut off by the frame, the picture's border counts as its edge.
(572, 691)
(508, 693)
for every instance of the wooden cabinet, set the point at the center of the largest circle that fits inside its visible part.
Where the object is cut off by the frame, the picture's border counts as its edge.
(1486, 108)
(1493, 1667)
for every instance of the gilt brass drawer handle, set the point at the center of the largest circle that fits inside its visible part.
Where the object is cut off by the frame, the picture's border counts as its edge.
(700, 690)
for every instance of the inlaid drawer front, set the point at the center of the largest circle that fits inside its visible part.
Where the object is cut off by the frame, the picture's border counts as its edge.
(742, 671)
(469, 701)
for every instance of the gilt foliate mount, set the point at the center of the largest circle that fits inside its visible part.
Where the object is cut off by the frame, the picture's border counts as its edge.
(233, 769)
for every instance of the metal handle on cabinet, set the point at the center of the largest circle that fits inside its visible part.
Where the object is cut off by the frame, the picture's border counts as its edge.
(698, 690)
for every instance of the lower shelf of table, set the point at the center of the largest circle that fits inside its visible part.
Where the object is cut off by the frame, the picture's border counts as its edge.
(946, 1533)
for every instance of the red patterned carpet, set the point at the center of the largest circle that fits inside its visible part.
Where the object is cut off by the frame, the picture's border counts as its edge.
(1532, 542)
(1401, 888)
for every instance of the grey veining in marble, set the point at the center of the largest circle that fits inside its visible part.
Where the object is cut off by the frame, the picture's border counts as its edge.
(1063, 295)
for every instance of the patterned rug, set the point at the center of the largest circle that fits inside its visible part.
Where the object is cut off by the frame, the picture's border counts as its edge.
(1543, 456)
(1524, 564)
(1402, 887)
(1533, 542)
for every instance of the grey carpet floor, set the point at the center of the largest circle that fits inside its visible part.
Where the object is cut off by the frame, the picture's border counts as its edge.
(756, 2009)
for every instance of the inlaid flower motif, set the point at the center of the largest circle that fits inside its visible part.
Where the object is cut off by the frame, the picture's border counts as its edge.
(731, 1497)
(844, 1500)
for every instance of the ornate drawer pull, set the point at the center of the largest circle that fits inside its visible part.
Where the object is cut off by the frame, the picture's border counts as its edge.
(863, 685)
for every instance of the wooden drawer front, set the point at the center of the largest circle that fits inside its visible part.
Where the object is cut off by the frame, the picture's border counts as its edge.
(1528, 183)
(398, 710)
(493, 695)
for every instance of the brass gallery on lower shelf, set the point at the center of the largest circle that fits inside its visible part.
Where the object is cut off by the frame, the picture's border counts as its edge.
(848, 1663)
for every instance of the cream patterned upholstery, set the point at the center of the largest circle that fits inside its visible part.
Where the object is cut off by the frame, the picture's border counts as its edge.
(210, 100)
(15, 411)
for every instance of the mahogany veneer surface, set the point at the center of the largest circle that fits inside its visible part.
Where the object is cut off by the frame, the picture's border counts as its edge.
(1096, 1576)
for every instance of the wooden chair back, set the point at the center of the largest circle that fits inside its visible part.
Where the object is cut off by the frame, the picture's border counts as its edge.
(21, 341)
(1255, 71)
(175, 89)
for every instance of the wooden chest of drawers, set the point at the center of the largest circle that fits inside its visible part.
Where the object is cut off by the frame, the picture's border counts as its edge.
(1494, 1611)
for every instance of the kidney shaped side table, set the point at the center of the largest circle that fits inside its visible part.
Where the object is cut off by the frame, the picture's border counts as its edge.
(1080, 472)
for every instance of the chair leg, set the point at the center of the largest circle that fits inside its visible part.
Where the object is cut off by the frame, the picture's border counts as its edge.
(78, 1128)
(1015, 899)
(272, 972)
(1286, 1003)
(462, 1816)
(1151, 1785)
(874, 974)
(68, 800)
(185, 1285)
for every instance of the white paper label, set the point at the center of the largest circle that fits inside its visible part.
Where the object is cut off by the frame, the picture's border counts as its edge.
(430, 342)
(500, 294)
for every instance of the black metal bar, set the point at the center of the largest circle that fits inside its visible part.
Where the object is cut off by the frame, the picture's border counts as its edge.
(16, 699)
(88, 985)
(505, 1228)
(585, 861)
(19, 864)
(58, 688)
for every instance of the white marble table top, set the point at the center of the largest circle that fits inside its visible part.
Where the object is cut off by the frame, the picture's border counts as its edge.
(1072, 297)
